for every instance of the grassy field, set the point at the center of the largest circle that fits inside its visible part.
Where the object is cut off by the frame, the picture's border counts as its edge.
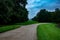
(17, 25)
(48, 32)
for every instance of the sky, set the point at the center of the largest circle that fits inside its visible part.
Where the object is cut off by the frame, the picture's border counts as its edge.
(34, 6)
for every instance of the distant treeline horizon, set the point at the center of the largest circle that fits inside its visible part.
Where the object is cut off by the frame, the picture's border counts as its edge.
(47, 16)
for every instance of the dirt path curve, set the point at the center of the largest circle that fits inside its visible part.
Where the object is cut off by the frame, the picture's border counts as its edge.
(23, 33)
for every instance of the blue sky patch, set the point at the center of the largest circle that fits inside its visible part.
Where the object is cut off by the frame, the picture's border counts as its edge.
(34, 6)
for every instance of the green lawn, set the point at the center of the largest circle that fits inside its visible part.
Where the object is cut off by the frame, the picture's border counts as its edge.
(14, 26)
(48, 32)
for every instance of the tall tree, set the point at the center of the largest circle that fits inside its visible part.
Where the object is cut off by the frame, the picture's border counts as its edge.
(57, 15)
(11, 11)
(43, 15)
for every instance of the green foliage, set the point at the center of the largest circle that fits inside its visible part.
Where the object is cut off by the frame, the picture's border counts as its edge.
(46, 16)
(43, 15)
(57, 15)
(16, 25)
(48, 32)
(28, 22)
(11, 11)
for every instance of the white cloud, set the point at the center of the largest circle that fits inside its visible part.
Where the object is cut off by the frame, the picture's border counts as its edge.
(34, 5)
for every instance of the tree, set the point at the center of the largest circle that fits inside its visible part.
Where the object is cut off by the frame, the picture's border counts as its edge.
(11, 11)
(45, 16)
(57, 15)
(42, 16)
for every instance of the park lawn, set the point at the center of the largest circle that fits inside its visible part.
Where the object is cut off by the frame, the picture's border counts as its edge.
(48, 32)
(14, 26)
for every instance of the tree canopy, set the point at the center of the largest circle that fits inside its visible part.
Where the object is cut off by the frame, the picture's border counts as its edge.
(45, 16)
(11, 11)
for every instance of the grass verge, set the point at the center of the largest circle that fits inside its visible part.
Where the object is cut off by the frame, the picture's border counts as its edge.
(48, 32)
(14, 26)
(7, 28)
(27, 22)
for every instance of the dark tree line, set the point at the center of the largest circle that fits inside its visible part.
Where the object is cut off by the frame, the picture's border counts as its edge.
(45, 16)
(12, 12)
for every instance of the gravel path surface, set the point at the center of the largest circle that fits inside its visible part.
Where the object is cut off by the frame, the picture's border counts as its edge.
(23, 33)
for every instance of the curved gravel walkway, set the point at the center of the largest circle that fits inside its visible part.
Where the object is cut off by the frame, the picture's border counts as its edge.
(23, 33)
